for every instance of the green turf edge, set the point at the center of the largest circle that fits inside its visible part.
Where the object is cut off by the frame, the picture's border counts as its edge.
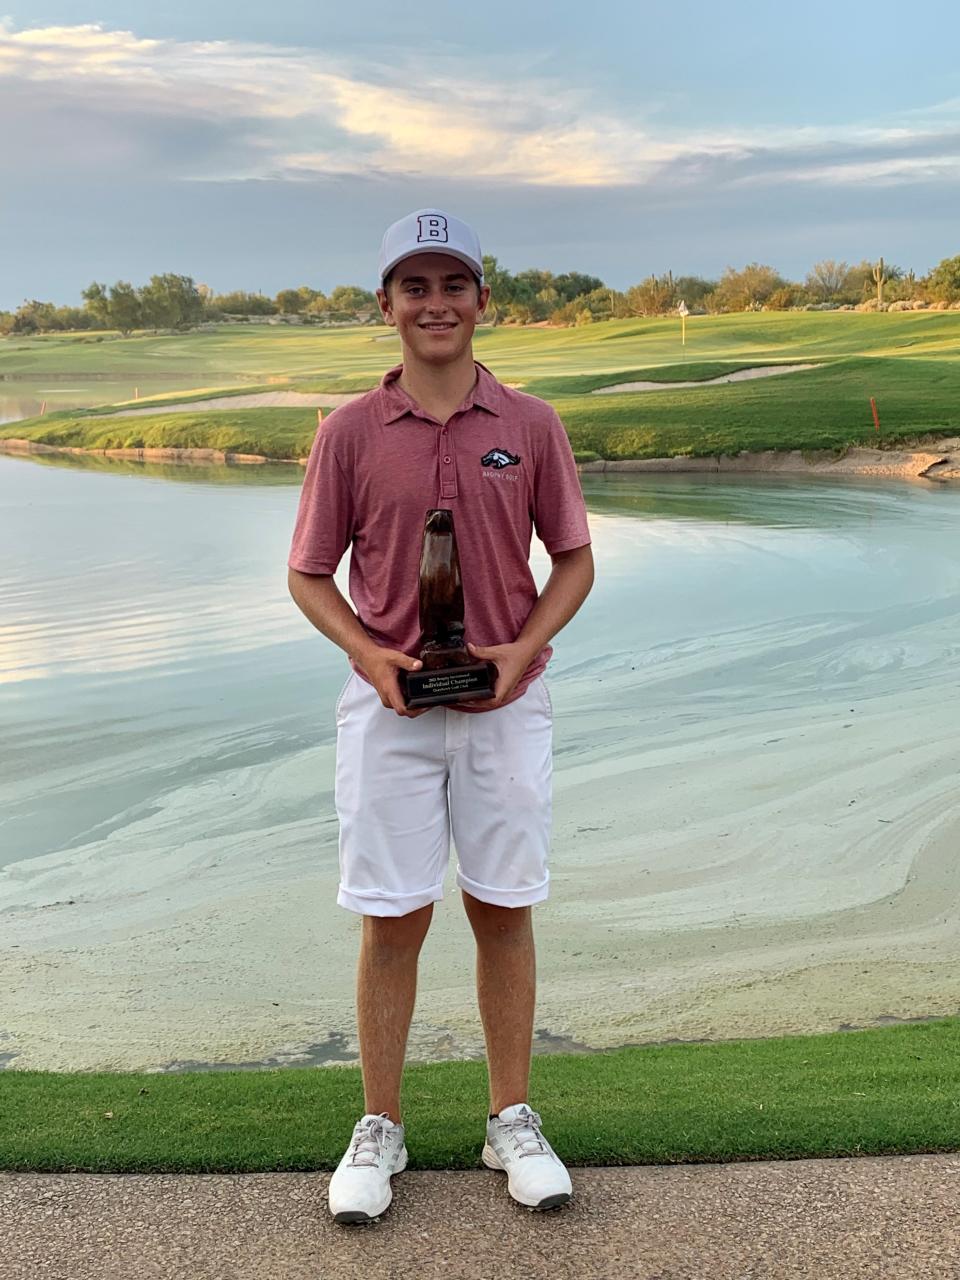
(885, 1090)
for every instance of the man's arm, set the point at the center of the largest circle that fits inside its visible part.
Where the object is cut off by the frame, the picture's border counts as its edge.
(319, 599)
(564, 592)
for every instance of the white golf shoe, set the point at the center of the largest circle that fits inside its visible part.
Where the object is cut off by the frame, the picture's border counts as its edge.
(535, 1175)
(360, 1187)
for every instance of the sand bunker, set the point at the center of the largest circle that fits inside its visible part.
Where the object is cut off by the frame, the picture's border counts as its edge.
(741, 375)
(256, 400)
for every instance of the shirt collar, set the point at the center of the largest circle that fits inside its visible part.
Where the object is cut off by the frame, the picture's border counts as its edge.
(396, 403)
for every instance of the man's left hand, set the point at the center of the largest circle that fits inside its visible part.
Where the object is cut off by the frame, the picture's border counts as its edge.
(511, 661)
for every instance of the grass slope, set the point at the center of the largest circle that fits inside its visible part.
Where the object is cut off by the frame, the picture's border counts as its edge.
(887, 1090)
(231, 354)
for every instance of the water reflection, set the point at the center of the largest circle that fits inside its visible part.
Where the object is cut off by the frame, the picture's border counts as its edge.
(775, 501)
(211, 473)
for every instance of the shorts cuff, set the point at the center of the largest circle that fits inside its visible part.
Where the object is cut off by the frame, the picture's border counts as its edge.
(504, 897)
(377, 903)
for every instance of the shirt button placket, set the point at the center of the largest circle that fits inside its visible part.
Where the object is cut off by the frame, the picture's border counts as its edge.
(448, 464)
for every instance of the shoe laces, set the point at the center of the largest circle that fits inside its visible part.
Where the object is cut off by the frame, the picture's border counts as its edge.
(524, 1130)
(368, 1140)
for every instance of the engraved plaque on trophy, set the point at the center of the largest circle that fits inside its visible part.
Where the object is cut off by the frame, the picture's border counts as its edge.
(449, 673)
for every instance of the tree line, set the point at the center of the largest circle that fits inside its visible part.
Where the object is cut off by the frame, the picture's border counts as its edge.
(532, 296)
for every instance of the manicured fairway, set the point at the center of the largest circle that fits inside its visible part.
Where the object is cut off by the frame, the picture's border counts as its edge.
(878, 1091)
(910, 363)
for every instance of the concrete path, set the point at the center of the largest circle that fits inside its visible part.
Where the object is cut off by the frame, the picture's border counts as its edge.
(896, 1217)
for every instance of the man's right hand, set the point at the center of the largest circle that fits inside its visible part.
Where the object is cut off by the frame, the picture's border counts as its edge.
(381, 666)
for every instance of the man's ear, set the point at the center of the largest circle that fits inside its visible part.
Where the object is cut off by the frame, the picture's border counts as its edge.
(385, 309)
(483, 300)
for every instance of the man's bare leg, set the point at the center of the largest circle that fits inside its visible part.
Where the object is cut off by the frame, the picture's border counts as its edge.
(386, 992)
(506, 993)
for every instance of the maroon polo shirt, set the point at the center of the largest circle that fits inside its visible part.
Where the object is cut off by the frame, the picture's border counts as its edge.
(502, 464)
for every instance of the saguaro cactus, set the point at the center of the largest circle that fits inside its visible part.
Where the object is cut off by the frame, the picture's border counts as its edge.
(879, 279)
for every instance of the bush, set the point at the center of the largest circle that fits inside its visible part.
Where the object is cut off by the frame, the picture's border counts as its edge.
(944, 281)
(781, 299)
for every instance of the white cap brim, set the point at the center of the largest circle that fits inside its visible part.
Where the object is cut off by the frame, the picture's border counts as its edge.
(476, 268)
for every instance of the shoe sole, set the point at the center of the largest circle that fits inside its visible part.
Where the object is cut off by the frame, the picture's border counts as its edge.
(355, 1217)
(352, 1217)
(556, 1201)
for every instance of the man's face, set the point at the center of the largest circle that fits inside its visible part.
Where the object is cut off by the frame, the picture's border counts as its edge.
(433, 303)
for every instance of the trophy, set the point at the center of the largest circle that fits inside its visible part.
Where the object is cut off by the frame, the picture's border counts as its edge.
(449, 673)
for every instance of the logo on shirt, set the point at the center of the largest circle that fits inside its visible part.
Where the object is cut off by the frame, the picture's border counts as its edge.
(499, 458)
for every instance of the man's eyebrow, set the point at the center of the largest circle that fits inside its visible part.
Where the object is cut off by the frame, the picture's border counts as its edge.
(452, 275)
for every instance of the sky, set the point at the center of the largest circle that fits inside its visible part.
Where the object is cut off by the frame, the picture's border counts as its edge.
(267, 146)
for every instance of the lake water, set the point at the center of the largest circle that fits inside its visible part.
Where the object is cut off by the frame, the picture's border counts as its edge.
(757, 817)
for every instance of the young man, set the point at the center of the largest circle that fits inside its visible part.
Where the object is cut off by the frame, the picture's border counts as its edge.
(440, 431)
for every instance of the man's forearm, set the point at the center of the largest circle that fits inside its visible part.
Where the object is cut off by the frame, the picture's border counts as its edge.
(564, 592)
(319, 599)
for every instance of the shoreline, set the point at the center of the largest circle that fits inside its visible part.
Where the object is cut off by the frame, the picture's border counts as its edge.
(939, 462)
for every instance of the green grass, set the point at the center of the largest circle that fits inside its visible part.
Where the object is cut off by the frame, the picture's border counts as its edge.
(256, 354)
(909, 361)
(877, 1091)
(825, 408)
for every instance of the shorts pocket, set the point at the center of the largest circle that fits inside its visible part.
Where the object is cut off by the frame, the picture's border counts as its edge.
(338, 711)
(546, 697)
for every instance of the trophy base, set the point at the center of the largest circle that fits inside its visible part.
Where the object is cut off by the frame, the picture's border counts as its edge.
(448, 684)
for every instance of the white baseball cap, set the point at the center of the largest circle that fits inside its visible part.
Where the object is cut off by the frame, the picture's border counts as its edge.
(426, 231)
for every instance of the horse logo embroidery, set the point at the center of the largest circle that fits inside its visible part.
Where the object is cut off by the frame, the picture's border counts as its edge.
(500, 458)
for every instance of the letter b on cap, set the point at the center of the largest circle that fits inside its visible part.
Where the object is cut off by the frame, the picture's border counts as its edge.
(433, 227)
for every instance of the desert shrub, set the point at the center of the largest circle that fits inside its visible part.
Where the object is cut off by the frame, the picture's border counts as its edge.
(781, 299)
(944, 280)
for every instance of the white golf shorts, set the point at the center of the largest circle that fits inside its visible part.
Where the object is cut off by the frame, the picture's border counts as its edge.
(404, 785)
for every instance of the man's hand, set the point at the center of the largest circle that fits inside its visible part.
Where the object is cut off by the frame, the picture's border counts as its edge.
(381, 665)
(511, 661)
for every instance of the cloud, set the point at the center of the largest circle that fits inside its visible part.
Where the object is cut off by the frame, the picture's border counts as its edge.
(91, 99)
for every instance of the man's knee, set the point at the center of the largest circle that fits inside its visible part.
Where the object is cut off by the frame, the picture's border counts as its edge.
(390, 934)
(490, 920)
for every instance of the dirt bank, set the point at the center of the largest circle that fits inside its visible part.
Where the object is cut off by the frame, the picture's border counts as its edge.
(940, 461)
